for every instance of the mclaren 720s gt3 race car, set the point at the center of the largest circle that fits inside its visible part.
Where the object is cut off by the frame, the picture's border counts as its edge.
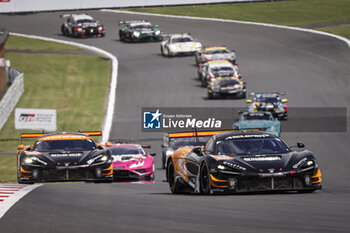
(242, 161)
(63, 156)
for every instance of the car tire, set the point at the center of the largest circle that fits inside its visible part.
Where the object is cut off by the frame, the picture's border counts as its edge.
(173, 183)
(121, 36)
(63, 30)
(204, 179)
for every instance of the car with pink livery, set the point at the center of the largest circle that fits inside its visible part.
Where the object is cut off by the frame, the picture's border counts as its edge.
(131, 162)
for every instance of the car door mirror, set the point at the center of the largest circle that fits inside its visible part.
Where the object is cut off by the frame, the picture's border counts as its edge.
(300, 145)
(249, 101)
(284, 100)
(20, 147)
(197, 151)
(152, 154)
(126, 28)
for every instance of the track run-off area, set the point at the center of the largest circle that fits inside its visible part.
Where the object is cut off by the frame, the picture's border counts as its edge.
(313, 70)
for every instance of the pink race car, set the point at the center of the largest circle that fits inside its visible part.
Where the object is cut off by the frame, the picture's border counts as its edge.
(131, 162)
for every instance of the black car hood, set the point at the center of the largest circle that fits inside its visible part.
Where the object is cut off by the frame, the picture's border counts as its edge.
(67, 158)
(271, 162)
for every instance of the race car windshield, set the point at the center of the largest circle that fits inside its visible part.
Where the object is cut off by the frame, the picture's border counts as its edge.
(212, 52)
(262, 116)
(217, 69)
(126, 151)
(251, 146)
(65, 145)
(86, 21)
(268, 100)
(181, 40)
(229, 82)
(141, 27)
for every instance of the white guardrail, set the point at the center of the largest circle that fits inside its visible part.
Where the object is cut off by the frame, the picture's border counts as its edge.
(12, 6)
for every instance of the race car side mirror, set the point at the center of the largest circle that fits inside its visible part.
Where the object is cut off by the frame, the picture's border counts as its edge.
(163, 146)
(108, 144)
(236, 63)
(156, 26)
(300, 145)
(125, 28)
(152, 154)
(197, 151)
(249, 101)
(284, 100)
(20, 147)
(146, 146)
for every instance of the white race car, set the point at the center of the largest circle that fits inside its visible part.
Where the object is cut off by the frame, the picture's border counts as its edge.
(179, 44)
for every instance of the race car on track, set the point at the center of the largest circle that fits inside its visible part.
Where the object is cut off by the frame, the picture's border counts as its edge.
(82, 25)
(226, 86)
(63, 157)
(173, 141)
(212, 69)
(270, 102)
(179, 44)
(243, 161)
(264, 120)
(139, 30)
(131, 162)
(211, 53)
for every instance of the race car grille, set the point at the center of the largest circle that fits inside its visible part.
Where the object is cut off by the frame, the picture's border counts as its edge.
(121, 173)
(67, 175)
(266, 184)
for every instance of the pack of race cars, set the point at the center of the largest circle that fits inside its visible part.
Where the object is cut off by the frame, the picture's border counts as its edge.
(250, 157)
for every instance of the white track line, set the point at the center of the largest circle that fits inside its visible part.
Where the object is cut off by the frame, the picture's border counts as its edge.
(107, 125)
(12, 197)
(347, 41)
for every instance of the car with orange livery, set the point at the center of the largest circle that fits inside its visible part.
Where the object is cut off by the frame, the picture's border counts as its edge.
(63, 157)
(240, 162)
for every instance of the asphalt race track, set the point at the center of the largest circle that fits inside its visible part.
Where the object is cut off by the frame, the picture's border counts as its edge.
(312, 69)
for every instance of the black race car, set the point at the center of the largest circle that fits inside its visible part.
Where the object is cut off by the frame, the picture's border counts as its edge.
(82, 25)
(228, 86)
(139, 30)
(63, 157)
(243, 161)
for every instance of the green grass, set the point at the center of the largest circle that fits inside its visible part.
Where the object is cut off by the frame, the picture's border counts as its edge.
(291, 13)
(8, 168)
(76, 86)
(342, 30)
(17, 42)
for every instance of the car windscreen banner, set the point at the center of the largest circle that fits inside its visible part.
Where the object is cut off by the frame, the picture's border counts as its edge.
(36, 119)
(157, 119)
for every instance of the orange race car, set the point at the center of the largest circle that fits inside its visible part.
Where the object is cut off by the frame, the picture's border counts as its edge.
(63, 157)
(242, 161)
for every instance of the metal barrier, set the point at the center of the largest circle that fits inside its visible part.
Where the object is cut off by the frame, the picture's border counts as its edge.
(12, 96)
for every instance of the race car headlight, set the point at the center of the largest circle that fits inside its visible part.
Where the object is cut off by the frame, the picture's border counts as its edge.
(28, 160)
(169, 152)
(221, 167)
(157, 33)
(139, 164)
(172, 47)
(104, 158)
(136, 34)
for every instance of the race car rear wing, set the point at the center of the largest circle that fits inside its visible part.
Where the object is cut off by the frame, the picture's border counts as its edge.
(175, 34)
(267, 93)
(132, 21)
(206, 133)
(37, 135)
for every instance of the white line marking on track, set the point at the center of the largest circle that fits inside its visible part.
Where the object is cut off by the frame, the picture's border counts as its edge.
(347, 41)
(8, 199)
